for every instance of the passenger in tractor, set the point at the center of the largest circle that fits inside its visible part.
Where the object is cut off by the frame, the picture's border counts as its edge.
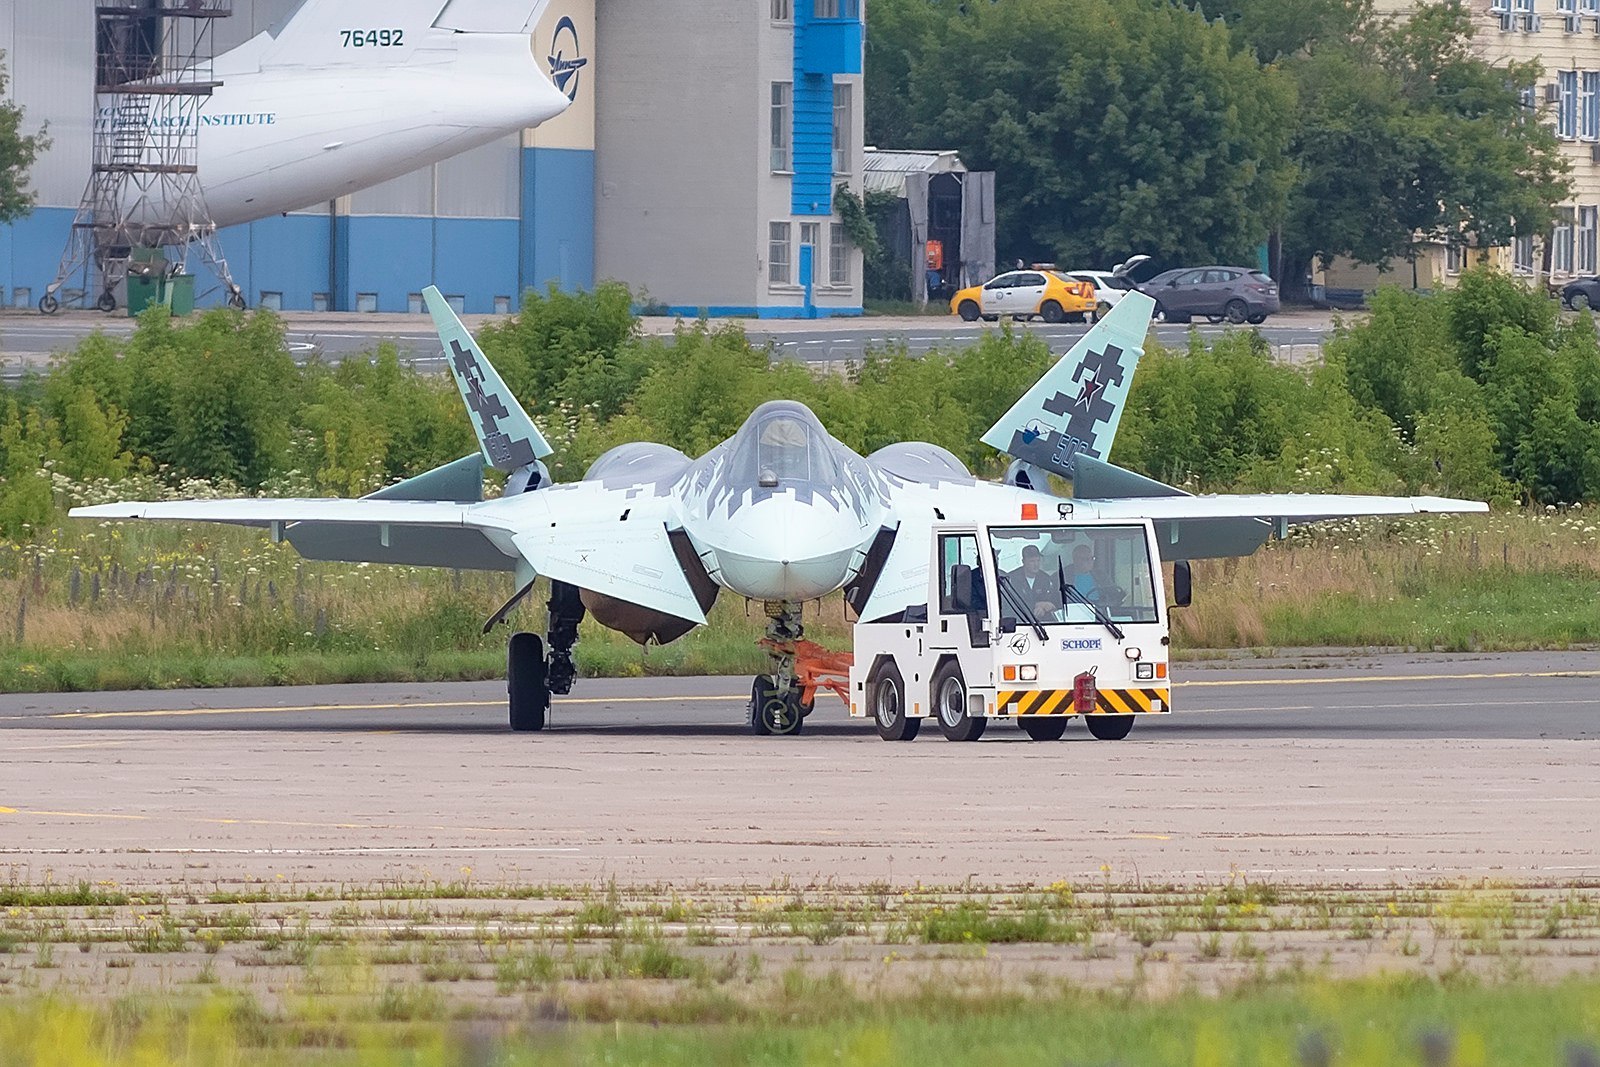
(1039, 586)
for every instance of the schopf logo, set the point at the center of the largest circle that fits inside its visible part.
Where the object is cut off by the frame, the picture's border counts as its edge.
(566, 60)
(1082, 644)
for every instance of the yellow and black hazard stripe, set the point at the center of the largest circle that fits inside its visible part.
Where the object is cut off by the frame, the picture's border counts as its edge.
(1132, 701)
(1036, 701)
(1107, 701)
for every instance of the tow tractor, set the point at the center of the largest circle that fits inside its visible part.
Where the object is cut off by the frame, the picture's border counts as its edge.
(1037, 622)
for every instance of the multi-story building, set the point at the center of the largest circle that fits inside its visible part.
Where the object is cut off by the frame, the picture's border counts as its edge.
(698, 165)
(1563, 36)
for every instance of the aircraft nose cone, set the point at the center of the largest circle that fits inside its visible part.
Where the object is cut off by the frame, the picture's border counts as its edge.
(785, 549)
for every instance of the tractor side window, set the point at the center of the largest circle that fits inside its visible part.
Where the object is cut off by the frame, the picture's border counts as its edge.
(961, 588)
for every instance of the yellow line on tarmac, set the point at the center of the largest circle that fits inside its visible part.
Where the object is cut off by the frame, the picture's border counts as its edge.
(179, 713)
(1389, 678)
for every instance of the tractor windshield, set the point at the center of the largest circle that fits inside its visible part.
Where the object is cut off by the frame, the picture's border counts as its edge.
(1107, 566)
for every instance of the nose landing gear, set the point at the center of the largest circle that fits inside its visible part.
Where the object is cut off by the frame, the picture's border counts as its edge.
(780, 701)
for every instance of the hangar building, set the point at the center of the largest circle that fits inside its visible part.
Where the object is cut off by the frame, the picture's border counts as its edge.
(697, 165)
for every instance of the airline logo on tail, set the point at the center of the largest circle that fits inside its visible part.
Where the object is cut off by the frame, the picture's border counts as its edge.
(566, 58)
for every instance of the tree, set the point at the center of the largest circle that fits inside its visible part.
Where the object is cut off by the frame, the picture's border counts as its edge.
(1405, 138)
(18, 151)
(1112, 125)
(1276, 29)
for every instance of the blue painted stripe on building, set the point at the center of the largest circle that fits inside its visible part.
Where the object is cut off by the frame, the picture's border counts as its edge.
(770, 311)
(393, 257)
(30, 252)
(813, 145)
(557, 219)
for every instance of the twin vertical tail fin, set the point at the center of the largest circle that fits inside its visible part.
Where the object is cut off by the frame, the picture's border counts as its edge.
(1076, 407)
(508, 438)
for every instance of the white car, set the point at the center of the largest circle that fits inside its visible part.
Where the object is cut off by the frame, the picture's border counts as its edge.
(1109, 285)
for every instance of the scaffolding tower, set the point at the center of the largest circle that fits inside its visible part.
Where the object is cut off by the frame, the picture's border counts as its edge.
(145, 210)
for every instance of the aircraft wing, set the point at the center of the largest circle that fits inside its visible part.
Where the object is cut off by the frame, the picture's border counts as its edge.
(1281, 507)
(632, 561)
(280, 511)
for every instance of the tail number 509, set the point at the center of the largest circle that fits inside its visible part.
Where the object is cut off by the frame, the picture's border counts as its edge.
(373, 38)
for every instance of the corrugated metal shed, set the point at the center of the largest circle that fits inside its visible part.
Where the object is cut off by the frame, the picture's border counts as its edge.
(886, 169)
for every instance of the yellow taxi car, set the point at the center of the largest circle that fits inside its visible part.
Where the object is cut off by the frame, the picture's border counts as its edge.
(1025, 294)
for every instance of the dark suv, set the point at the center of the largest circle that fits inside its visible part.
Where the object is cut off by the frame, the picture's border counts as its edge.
(1237, 294)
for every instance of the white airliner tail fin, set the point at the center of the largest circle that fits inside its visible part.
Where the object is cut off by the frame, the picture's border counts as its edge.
(321, 32)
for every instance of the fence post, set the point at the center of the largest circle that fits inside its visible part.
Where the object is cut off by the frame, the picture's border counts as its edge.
(22, 620)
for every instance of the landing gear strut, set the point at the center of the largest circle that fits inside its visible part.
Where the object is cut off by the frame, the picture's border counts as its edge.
(775, 699)
(566, 611)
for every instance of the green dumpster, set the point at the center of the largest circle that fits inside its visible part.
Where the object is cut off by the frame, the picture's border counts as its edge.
(145, 290)
(180, 293)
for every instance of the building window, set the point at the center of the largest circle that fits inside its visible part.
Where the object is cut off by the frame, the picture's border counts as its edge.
(811, 234)
(502, 305)
(1589, 106)
(22, 298)
(415, 304)
(836, 9)
(778, 268)
(1588, 240)
(782, 11)
(839, 256)
(270, 301)
(841, 128)
(367, 303)
(1455, 258)
(782, 127)
(1567, 104)
(1522, 255)
(319, 302)
(1561, 246)
(1590, 7)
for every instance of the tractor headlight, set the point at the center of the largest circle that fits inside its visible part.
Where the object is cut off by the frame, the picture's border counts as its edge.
(1133, 653)
(1028, 672)
(1145, 672)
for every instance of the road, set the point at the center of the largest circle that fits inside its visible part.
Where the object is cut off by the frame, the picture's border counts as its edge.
(28, 340)
(1364, 770)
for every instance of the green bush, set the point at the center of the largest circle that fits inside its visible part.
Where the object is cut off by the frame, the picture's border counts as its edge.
(1480, 392)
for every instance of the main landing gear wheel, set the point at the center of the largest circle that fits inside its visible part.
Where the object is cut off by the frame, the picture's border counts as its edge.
(48, 304)
(969, 311)
(950, 704)
(772, 712)
(526, 683)
(888, 695)
(1047, 729)
(1109, 727)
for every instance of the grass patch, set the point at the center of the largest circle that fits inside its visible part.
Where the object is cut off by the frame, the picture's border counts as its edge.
(149, 607)
(1368, 1023)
